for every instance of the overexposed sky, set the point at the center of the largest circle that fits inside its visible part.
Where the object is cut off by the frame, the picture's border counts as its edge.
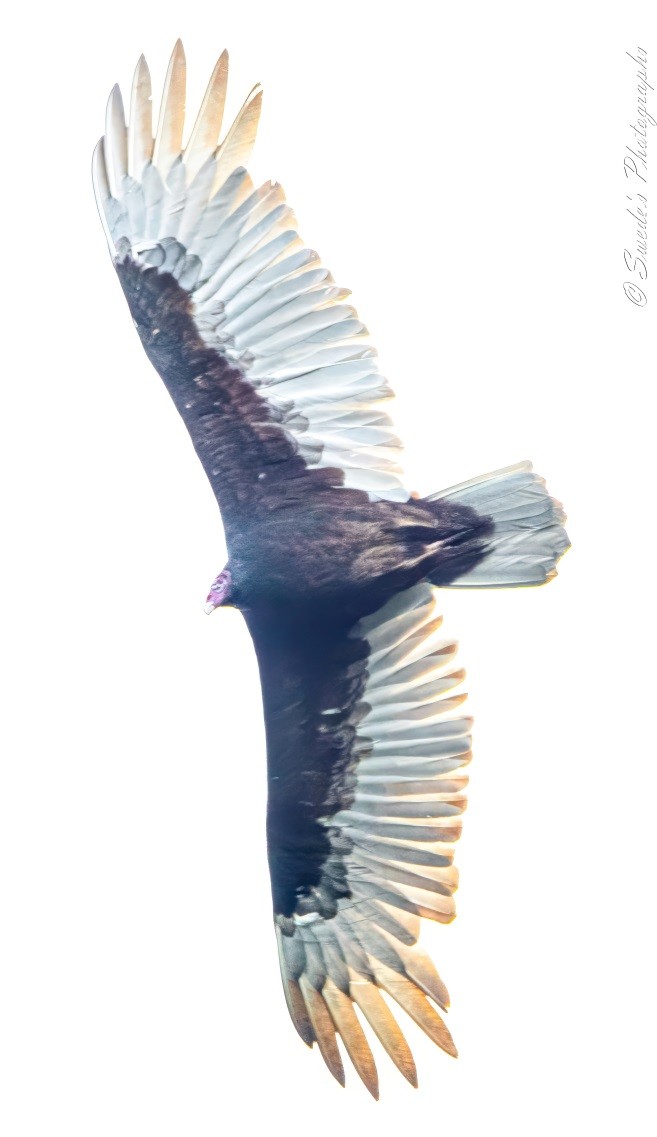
(460, 168)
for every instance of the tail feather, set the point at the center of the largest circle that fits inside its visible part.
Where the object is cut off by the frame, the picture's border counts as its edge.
(527, 538)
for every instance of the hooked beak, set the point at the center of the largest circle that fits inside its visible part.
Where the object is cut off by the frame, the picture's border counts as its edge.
(214, 599)
(211, 606)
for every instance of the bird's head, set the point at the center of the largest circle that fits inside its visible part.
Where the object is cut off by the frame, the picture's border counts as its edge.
(221, 591)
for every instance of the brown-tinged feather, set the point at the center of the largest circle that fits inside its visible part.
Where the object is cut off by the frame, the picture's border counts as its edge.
(413, 786)
(171, 121)
(235, 150)
(420, 970)
(384, 1025)
(323, 1028)
(442, 880)
(415, 852)
(207, 128)
(404, 992)
(402, 925)
(351, 1032)
(298, 1010)
(293, 997)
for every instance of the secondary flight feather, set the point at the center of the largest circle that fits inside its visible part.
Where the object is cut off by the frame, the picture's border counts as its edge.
(332, 561)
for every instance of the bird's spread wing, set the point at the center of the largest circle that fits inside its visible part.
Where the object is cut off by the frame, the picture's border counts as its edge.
(228, 258)
(366, 751)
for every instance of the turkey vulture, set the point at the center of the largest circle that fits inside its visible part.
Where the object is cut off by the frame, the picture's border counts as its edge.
(332, 561)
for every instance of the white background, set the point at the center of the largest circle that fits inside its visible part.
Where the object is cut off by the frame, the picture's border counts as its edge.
(460, 168)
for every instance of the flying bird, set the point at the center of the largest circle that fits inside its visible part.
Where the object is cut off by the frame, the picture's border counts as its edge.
(331, 560)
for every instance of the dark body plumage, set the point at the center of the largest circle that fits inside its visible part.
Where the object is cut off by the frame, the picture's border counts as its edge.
(295, 535)
(331, 559)
(307, 560)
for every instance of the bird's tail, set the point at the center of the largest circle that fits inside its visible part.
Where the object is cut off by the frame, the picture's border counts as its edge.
(527, 537)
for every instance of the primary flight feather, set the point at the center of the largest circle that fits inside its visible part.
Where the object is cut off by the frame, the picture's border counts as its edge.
(331, 560)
